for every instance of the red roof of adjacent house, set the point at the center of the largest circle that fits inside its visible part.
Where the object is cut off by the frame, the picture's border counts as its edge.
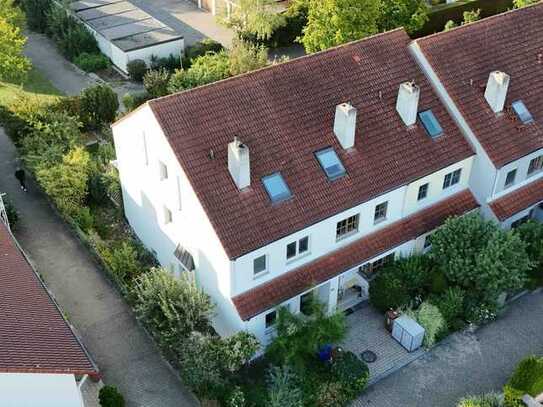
(463, 59)
(274, 292)
(518, 200)
(34, 337)
(285, 114)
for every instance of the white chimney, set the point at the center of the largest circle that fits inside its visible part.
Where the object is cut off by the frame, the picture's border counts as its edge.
(239, 163)
(407, 103)
(345, 124)
(496, 90)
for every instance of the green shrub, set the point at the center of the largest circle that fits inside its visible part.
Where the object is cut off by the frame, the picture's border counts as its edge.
(526, 379)
(156, 82)
(109, 396)
(132, 101)
(451, 306)
(84, 219)
(204, 69)
(351, 372)
(236, 398)
(98, 188)
(429, 317)
(11, 212)
(123, 262)
(136, 69)
(283, 387)
(438, 282)
(531, 233)
(66, 182)
(246, 57)
(92, 62)
(170, 63)
(99, 105)
(36, 14)
(485, 400)
(172, 307)
(200, 48)
(387, 291)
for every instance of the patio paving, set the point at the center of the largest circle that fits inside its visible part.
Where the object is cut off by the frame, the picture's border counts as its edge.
(367, 332)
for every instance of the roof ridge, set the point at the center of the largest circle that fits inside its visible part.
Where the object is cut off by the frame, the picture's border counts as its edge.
(482, 20)
(297, 60)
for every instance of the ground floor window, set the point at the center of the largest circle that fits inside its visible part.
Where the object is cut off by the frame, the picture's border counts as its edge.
(520, 221)
(306, 300)
(371, 268)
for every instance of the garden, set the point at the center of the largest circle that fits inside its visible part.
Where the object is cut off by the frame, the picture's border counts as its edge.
(473, 266)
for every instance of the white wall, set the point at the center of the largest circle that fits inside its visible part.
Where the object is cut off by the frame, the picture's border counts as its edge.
(521, 179)
(145, 196)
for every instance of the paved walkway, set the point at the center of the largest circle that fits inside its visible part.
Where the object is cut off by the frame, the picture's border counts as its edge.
(466, 363)
(125, 355)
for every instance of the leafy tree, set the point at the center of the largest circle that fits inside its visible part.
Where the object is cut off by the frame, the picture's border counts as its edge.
(523, 3)
(205, 69)
(531, 234)
(245, 57)
(136, 69)
(471, 16)
(66, 182)
(156, 81)
(99, 105)
(109, 396)
(283, 387)
(478, 256)
(36, 14)
(334, 22)
(256, 17)
(410, 14)
(14, 66)
(172, 307)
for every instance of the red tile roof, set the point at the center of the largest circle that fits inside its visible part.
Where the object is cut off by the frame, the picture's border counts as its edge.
(518, 200)
(285, 114)
(280, 289)
(34, 337)
(463, 59)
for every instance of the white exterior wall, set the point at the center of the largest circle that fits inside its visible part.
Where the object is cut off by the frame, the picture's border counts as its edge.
(145, 195)
(521, 179)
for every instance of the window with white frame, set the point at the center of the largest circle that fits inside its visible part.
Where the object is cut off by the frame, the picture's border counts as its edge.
(380, 212)
(372, 267)
(162, 171)
(423, 192)
(510, 178)
(298, 248)
(168, 217)
(270, 319)
(452, 178)
(347, 226)
(536, 165)
(259, 265)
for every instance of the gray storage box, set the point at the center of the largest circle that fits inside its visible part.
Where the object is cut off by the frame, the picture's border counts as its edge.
(408, 333)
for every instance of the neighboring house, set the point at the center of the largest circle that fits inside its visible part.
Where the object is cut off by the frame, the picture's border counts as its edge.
(305, 177)
(42, 363)
(490, 76)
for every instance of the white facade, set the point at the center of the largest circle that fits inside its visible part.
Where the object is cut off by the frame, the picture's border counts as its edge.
(163, 210)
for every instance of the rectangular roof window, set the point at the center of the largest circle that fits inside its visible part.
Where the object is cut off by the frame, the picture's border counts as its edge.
(276, 187)
(522, 112)
(330, 163)
(430, 123)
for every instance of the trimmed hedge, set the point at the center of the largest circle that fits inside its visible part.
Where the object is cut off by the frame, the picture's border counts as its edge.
(527, 379)
(438, 19)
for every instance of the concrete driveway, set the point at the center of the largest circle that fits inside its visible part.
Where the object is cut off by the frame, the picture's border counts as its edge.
(124, 353)
(466, 363)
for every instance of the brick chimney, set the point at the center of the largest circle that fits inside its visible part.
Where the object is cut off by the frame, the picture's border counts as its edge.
(407, 103)
(496, 90)
(345, 124)
(239, 163)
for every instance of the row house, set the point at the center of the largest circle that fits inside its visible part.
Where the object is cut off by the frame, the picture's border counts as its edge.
(299, 179)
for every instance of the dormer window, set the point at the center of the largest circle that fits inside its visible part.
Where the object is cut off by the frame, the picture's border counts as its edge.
(522, 112)
(276, 187)
(330, 163)
(430, 123)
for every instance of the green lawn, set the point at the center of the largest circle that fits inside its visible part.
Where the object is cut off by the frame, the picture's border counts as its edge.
(35, 84)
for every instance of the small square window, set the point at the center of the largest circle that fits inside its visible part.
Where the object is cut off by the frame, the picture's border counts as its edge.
(303, 245)
(510, 178)
(167, 216)
(347, 226)
(330, 163)
(259, 265)
(163, 170)
(522, 112)
(423, 192)
(271, 319)
(536, 165)
(380, 212)
(430, 123)
(276, 187)
(291, 250)
(452, 178)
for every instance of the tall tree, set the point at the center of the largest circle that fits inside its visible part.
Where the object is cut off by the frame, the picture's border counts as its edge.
(334, 22)
(410, 14)
(255, 17)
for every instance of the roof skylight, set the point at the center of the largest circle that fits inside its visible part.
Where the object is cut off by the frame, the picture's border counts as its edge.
(522, 112)
(430, 123)
(276, 187)
(330, 163)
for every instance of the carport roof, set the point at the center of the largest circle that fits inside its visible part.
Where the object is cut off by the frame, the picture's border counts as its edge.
(124, 24)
